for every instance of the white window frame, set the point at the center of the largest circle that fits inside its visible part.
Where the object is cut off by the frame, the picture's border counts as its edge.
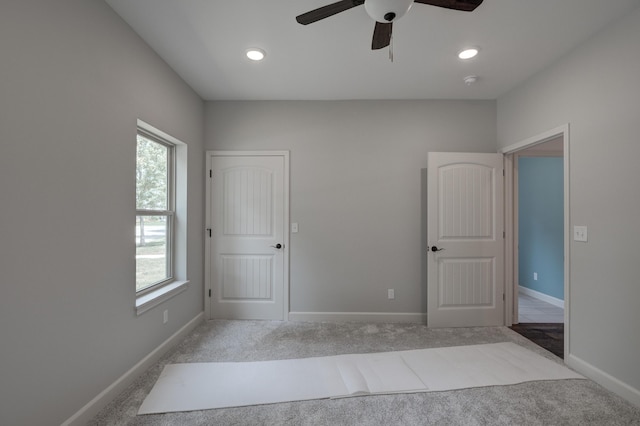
(169, 213)
(176, 281)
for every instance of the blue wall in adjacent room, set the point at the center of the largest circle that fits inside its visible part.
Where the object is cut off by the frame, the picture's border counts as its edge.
(541, 224)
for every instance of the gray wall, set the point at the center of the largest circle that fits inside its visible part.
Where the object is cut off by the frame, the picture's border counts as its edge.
(73, 80)
(595, 89)
(356, 188)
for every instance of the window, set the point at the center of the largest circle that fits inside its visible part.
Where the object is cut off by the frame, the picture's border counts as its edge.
(155, 211)
(161, 217)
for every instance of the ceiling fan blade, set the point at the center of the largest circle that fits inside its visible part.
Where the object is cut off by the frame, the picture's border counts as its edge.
(381, 35)
(464, 5)
(326, 11)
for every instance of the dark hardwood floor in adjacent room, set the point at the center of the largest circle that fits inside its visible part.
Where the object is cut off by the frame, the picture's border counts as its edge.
(547, 335)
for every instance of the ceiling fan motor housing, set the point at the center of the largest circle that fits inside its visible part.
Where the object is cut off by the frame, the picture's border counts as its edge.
(386, 11)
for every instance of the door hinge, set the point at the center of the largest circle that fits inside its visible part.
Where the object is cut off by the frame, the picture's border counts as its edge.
(210, 173)
(502, 172)
(504, 234)
(503, 296)
(209, 292)
(209, 231)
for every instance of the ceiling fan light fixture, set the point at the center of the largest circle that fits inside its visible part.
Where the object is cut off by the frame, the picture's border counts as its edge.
(255, 54)
(386, 11)
(468, 53)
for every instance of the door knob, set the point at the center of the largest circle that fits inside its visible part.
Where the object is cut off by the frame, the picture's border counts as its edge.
(434, 248)
(278, 246)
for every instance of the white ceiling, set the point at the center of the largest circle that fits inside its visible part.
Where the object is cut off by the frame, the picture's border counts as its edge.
(204, 41)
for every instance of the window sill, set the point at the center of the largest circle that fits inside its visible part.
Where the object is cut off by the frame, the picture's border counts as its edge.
(156, 297)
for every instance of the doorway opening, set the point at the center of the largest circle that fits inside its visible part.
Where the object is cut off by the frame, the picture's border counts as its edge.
(537, 238)
(538, 233)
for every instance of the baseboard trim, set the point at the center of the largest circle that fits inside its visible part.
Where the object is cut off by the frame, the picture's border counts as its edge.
(93, 407)
(606, 380)
(541, 296)
(374, 317)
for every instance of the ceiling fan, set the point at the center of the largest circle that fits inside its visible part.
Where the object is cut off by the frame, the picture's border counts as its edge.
(384, 12)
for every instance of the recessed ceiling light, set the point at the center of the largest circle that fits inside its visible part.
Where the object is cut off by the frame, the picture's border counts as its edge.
(255, 54)
(468, 53)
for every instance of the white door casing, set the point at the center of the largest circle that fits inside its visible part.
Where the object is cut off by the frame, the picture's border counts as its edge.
(465, 278)
(247, 224)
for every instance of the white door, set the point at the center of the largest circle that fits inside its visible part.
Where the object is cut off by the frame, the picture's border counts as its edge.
(247, 221)
(465, 282)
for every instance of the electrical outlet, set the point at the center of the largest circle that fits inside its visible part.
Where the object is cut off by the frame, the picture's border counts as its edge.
(580, 233)
(535, 276)
(391, 294)
(165, 316)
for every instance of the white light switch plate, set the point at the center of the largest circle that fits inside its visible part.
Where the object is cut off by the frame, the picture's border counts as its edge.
(580, 233)
(294, 227)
